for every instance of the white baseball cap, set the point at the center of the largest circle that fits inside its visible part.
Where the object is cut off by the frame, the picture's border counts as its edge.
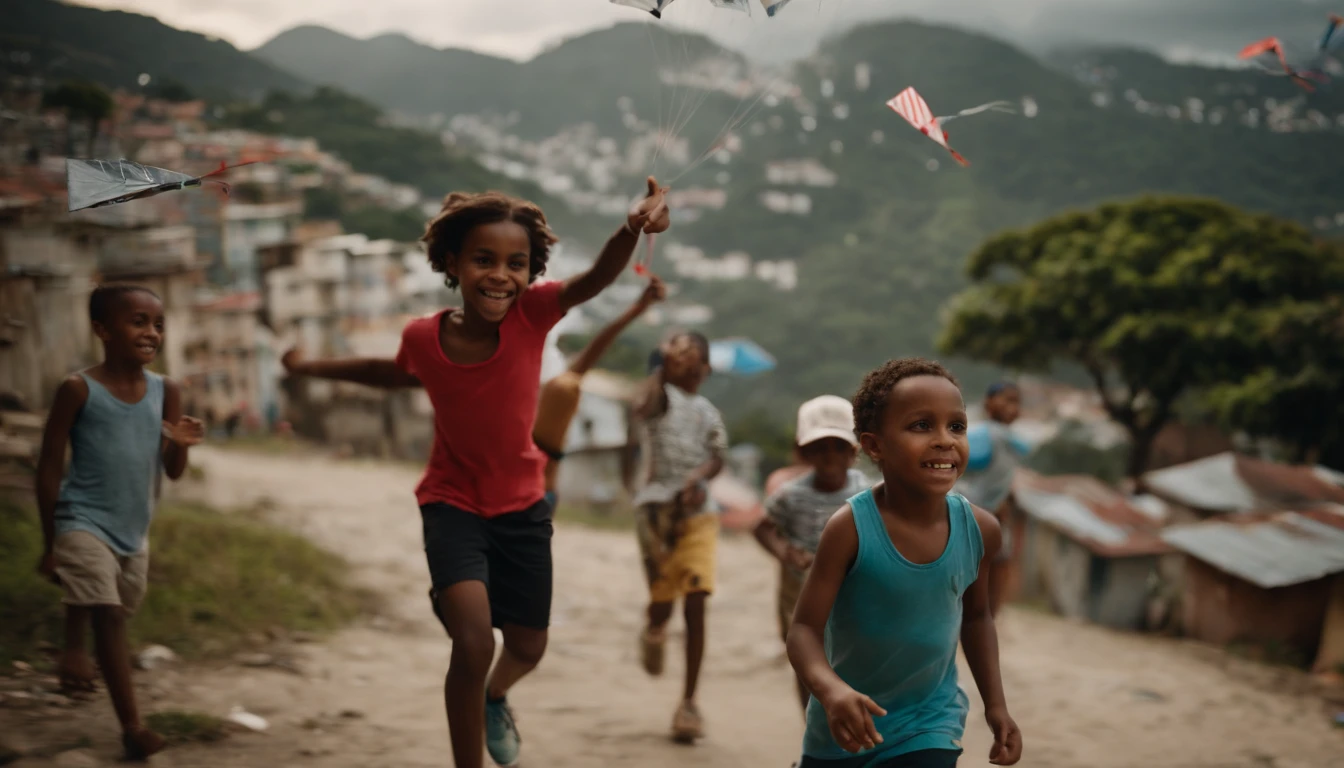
(823, 417)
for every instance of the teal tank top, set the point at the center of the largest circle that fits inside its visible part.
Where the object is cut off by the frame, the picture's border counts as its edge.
(109, 490)
(893, 632)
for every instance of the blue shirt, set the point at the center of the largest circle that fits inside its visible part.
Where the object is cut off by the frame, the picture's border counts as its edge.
(893, 632)
(994, 456)
(114, 467)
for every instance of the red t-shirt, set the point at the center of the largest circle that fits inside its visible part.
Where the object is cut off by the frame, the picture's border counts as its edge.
(483, 459)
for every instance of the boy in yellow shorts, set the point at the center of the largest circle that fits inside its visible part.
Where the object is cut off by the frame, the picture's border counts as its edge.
(684, 443)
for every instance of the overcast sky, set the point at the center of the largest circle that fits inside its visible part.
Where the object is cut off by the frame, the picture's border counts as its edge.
(513, 28)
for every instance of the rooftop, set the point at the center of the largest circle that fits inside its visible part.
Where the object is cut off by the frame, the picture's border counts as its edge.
(1277, 551)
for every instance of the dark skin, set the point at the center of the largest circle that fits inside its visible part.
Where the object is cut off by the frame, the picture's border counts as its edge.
(920, 448)
(1004, 407)
(829, 460)
(590, 354)
(685, 367)
(131, 337)
(492, 269)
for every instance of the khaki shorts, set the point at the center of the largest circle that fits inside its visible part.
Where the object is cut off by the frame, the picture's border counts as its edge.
(92, 574)
(679, 555)
(790, 585)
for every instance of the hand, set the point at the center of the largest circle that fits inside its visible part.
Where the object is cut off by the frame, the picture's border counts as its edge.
(650, 215)
(693, 494)
(46, 568)
(292, 360)
(850, 716)
(1007, 749)
(188, 431)
(798, 558)
(654, 293)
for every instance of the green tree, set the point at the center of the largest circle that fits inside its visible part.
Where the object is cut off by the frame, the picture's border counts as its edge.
(1151, 298)
(81, 101)
(1294, 396)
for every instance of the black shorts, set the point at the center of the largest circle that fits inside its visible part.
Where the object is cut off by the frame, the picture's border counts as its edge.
(510, 554)
(923, 758)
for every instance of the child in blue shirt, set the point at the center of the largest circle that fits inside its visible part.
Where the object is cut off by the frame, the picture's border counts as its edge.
(899, 577)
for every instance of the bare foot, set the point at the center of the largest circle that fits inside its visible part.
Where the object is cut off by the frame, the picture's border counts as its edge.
(141, 743)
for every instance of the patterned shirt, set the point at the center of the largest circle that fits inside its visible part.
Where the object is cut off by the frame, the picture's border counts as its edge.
(800, 511)
(688, 434)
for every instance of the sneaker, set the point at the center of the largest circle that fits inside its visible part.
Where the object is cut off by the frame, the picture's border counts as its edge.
(687, 726)
(501, 734)
(651, 644)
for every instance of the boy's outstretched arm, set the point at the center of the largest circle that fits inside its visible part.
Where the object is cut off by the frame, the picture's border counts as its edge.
(848, 712)
(180, 432)
(980, 641)
(70, 398)
(586, 359)
(649, 216)
(372, 372)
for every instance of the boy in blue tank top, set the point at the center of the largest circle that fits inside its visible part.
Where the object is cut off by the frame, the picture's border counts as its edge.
(900, 576)
(124, 425)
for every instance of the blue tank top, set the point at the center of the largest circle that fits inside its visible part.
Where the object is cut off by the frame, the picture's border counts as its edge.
(115, 461)
(892, 635)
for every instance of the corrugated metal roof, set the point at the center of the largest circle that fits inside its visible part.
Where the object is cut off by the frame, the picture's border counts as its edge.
(1213, 484)
(1070, 516)
(1284, 550)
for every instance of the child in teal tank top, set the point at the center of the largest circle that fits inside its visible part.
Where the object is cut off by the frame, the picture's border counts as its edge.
(899, 577)
(124, 426)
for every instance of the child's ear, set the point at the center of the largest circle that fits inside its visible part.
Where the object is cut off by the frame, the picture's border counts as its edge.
(450, 264)
(101, 331)
(871, 447)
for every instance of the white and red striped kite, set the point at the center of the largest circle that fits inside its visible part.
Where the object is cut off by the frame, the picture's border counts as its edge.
(910, 105)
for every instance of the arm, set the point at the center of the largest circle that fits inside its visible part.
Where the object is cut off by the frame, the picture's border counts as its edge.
(373, 372)
(605, 337)
(70, 398)
(180, 431)
(848, 712)
(650, 216)
(980, 641)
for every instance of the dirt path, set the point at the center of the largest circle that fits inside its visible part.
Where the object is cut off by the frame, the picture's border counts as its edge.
(1083, 696)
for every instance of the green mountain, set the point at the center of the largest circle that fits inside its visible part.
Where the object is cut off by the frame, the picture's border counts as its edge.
(56, 41)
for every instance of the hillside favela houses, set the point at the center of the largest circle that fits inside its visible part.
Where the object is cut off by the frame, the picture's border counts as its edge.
(1220, 547)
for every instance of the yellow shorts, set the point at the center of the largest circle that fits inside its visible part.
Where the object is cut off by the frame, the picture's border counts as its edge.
(679, 555)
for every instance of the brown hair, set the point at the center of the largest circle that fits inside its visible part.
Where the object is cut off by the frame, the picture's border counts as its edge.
(463, 212)
(871, 400)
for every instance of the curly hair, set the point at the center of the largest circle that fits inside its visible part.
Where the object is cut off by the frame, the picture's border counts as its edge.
(463, 212)
(870, 402)
(105, 298)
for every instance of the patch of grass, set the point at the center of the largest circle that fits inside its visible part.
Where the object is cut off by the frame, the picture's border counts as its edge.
(181, 726)
(214, 581)
(618, 520)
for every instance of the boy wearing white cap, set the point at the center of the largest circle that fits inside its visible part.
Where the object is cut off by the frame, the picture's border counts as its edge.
(798, 511)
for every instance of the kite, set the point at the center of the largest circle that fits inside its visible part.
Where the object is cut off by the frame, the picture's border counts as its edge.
(654, 7)
(1316, 71)
(642, 265)
(774, 6)
(910, 105)
(96, 183)
(736, 5)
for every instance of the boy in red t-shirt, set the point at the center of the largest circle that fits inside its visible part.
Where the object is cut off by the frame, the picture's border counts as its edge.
(487, 525)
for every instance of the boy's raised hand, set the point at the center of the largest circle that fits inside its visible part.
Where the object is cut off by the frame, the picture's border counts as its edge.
(188, 431)
(655, 292)
(850, 716)
(650, 215)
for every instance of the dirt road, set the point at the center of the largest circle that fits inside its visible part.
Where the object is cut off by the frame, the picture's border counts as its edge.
(1083, 696)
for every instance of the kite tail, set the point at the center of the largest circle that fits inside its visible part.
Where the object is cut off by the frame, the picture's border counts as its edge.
(958, 157)
(1302, 81)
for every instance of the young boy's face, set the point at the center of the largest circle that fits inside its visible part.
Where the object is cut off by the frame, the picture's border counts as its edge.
(684, 364)
(493, 268)
(1005, 405)
(830, 459)
(134, 329)
(921, 443)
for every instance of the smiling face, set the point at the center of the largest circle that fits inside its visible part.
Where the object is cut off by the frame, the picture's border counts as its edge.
(134, 328)
(830, 459)
(1005, 405)
(493, 268)
(684, 363)
(921, 443)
